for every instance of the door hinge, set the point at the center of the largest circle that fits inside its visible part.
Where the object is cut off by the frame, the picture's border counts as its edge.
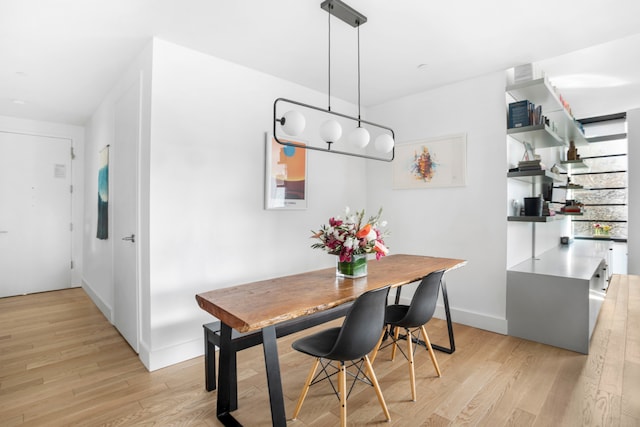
(72, 264)
(73, 154)
(71, 189)
(70, 226)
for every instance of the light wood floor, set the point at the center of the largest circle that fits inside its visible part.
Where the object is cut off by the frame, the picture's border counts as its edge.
(62, 363)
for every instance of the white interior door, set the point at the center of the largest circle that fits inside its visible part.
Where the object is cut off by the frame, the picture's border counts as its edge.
(124, 164)
(35, 214)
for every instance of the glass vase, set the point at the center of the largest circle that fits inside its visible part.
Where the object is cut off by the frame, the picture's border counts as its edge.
(357, 267)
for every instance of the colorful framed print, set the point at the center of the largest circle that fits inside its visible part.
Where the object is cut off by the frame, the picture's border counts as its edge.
(285, 175)
(431, 163)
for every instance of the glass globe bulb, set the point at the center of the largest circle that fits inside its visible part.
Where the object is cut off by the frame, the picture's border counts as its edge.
(330, 131)
(384, 143)
(293, 123)
(359, 137)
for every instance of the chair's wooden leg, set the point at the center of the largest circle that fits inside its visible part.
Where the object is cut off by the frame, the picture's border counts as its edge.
(412, 373)
(396, 332)
(342, 389)
(432, 354)
(374, 353)
(376, 386)
(305, 389)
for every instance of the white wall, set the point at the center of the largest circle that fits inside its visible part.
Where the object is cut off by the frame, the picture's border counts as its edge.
(462, 222)
(633, 137)
(76, 135)
(208, 228)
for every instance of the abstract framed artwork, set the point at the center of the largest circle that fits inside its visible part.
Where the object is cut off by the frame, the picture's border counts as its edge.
(285, 175)
(103, 194)
(431, 163)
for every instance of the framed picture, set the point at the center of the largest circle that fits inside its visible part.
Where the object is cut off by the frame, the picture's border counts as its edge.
(103, 194)
(431, 163)
(285, 175)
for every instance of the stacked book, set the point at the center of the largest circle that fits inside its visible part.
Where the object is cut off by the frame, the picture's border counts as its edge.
(529, 165)
(575, 209)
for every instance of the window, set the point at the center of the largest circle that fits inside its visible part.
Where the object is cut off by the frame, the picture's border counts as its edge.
(605, 181)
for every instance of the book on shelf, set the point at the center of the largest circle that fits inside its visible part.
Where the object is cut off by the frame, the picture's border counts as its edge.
(524, 113)
(528, 165)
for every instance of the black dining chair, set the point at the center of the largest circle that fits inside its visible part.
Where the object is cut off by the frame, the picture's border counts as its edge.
(412, 318)
(351, 342)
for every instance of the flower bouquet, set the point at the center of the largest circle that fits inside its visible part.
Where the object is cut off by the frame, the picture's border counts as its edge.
(351, 239)
(600, 230)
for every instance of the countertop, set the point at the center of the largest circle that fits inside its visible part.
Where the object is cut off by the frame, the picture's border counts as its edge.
(579, 260)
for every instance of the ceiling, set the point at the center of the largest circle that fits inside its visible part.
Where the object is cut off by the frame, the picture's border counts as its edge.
(59, 59)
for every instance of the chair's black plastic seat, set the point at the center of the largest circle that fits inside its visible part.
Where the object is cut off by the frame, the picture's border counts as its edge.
(319, 344)
(394, 315)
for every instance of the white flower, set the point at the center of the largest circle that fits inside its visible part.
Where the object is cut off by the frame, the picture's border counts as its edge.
(372, 235)
(383, 223)
(349, 242)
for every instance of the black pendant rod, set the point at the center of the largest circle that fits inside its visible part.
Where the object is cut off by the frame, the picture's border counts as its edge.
(358, 75)
(329, 71)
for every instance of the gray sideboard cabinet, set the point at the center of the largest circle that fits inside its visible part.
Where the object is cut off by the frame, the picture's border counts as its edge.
(555, 298)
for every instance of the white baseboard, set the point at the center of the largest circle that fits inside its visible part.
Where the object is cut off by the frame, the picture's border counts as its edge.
(105, 308)
(167, 356)
(476, 320)
(469, 318)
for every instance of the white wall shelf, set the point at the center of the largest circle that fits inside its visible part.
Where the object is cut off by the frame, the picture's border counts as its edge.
(535, 176)
(540, 136)
(572, 165)
(540, 92)
(524, 218)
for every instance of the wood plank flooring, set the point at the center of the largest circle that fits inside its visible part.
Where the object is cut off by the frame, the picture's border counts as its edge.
(62, 363)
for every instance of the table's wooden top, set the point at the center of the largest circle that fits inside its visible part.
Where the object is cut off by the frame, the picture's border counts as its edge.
(253, 306)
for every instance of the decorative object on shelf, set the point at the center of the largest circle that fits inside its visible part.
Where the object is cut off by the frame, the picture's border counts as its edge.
(516, 207)
(351, 239)
(533, 206)
(572, 207)
(572, 152)
(431, 163)
(292, 122)
(600, 230)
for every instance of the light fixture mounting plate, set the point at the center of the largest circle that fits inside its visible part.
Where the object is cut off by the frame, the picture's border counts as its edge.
(345, 12)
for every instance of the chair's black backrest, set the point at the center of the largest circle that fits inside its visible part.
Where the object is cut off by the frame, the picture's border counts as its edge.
(362, 326)
(423, 303)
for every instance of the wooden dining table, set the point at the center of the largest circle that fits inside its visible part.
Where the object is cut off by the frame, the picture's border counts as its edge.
(264, 306)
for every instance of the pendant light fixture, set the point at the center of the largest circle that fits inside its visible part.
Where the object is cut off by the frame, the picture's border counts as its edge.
(292, 123)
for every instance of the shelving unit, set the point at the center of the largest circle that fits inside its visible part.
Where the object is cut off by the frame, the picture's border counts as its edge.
(540, 92)
(533, 177)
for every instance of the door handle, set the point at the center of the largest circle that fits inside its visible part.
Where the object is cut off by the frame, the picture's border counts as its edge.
(3, 231)
(131, 238)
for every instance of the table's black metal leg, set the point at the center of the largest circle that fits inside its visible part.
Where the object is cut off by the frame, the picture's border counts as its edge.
(445, 299)
(227, 379)
(272, 364)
